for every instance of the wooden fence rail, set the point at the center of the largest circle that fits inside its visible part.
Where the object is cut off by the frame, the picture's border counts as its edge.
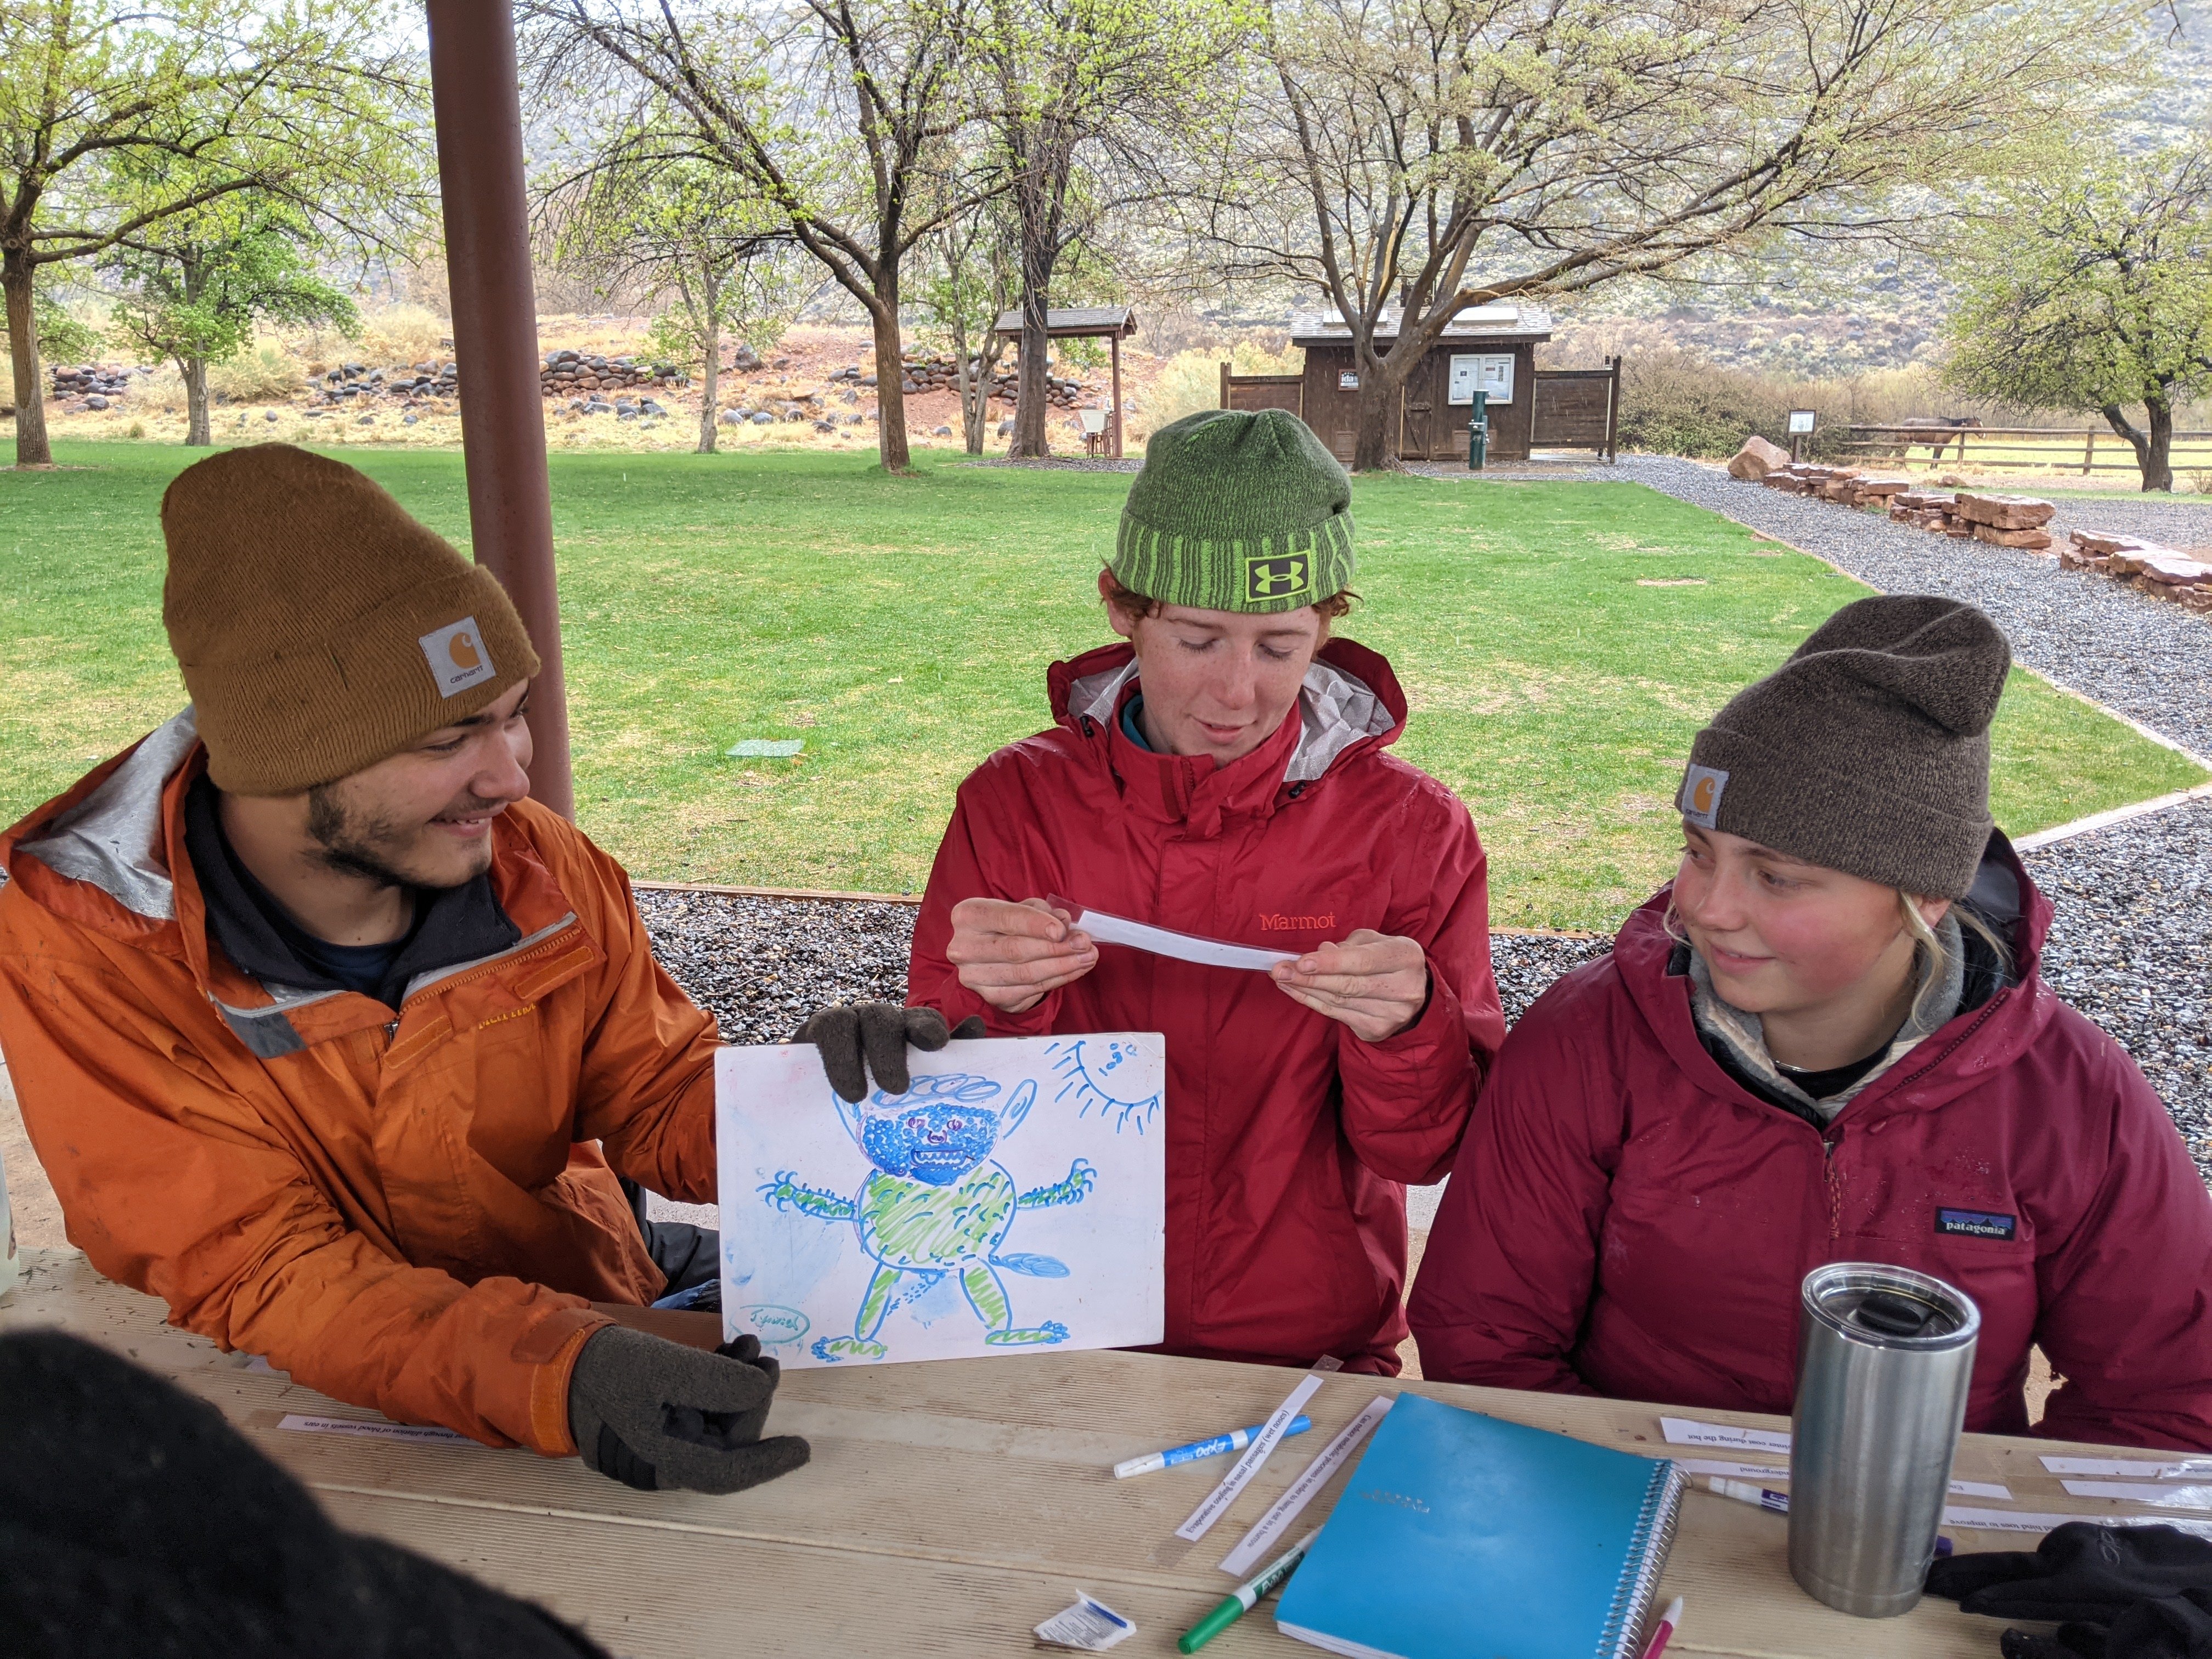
(2024, 448)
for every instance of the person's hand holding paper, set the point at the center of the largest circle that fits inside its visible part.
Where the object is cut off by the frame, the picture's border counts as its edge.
(1010, 955)
(1376, 983)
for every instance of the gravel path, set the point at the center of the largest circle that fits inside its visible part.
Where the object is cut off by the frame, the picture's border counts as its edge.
(2148, 660)
(2131, 947)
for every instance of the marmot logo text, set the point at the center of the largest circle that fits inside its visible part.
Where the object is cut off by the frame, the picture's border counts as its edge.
(1279, 923)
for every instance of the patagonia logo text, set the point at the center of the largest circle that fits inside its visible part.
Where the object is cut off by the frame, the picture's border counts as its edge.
(1700, 800)
(1282, 577)
(1279, 923)
(1975, 1224)
(456, 657)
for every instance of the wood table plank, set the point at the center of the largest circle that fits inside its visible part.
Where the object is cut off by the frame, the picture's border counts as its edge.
(951, 1505)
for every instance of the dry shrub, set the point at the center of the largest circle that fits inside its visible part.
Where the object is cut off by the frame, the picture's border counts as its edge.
(1191, 380)
(1677, 402)
(402, 334)
(267, 373)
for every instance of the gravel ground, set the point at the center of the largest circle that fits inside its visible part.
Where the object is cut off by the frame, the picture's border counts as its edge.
(2144, 657)
(2131, 947)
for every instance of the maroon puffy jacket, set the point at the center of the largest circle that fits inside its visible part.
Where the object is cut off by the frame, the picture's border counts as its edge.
(1288, 1139)
(1625, 1218)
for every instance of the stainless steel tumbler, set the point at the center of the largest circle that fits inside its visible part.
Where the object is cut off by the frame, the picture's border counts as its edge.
(1884, 1357)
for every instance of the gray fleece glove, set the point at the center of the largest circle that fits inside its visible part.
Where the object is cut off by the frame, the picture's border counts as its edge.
(856, 1038)
(654, 1414)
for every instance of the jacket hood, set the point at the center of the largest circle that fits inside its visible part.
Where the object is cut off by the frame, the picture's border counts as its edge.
(1990, 1034)
(111, 831)
(1350, 698)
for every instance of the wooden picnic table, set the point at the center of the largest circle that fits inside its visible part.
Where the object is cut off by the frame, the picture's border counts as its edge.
(953, 1505)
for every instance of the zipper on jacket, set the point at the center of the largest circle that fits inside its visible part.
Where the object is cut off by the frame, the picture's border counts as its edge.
(1835, 1186)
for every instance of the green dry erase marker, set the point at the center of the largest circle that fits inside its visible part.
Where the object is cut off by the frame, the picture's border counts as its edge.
(1245, 1596)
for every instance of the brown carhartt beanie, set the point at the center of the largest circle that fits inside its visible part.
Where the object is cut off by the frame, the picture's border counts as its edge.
(1869, 751)
(319, 628)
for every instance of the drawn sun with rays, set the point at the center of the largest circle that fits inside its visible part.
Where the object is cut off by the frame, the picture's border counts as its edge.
(1088, 1069)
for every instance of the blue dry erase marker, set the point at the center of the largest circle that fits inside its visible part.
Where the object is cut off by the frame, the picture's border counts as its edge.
(1235, 1441)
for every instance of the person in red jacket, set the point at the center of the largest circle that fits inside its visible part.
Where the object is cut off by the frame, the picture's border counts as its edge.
(1827, 1041)
(1224, 773)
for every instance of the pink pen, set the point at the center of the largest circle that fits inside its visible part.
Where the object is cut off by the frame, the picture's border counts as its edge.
(1660, 1637)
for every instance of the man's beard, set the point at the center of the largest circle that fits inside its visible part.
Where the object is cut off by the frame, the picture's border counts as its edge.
(369, 845)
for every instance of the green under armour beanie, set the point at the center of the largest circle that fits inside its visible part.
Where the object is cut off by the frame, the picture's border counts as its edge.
(1869, 751)
(1236, 510)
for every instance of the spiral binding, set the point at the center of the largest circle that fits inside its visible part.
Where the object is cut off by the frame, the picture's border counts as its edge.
(1647, 1555)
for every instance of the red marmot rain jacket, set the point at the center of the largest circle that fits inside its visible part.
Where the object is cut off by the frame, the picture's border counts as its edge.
(1289, 1139)
(1626, 1219)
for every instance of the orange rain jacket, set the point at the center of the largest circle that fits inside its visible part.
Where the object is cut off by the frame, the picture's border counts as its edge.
(411, 1214)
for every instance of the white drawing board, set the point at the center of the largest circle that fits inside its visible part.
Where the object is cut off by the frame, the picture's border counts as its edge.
(1014, 1199)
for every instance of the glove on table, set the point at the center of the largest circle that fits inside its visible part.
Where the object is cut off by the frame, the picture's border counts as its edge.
(2080, 1570)
(856, 1038)
(654, 1414)
(2171, 1627)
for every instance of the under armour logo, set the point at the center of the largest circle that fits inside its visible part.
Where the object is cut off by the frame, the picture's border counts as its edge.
(1277, 577)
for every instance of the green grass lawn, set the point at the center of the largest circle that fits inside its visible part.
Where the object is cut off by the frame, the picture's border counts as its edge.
(903, 627)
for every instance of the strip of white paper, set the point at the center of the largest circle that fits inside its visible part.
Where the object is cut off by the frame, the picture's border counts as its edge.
(2187, 1468)
(2014, 1521)
(1165, 942)
(1271, 1525)
(352, 1426)
(1262, 1446)
(1773, 1471)
(2176, 1497)
(1686, 1431)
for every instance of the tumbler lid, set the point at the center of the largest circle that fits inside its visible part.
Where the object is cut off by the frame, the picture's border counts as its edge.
(1887, 1307)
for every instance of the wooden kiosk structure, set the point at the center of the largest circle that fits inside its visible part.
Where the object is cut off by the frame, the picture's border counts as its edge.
(1490, 348)
(1112, 324)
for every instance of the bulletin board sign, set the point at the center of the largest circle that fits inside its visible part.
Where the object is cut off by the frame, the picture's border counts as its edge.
(1487, 372)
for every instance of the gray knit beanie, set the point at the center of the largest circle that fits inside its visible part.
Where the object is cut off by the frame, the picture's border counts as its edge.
(1869, 751)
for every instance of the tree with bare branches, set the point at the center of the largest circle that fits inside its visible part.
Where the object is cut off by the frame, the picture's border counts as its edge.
(647, 215)
(1089, 103)
(116, 117)
(841, 115)
(1407, 159)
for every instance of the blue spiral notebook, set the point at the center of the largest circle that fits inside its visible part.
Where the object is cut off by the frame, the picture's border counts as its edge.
(1459, 1534)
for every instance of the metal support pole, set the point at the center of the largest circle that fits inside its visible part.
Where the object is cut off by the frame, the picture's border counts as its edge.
(478, 107)
(1114, 344)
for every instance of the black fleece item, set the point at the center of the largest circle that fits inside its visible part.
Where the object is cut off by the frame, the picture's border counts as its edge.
(2170, 1627)
(656, 1415)
(135, 1523)
(857, 1038)
(2079, 1571)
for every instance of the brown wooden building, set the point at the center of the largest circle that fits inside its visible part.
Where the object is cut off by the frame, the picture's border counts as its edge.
(1491, 348)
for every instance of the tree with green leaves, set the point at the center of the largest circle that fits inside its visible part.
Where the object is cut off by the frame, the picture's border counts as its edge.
(968, 279)
(720, 262)
(1406, 160)
(1086, 101)
(114, 119)
(2092, 291)
(192, 287)
(843, 115)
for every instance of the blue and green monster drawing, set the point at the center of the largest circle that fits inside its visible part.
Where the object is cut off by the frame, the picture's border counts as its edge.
(936, 1204)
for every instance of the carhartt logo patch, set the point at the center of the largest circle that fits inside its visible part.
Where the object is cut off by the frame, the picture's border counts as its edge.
(456, 657)
(1975, 1223)
(1284, 577)
(1700, 800)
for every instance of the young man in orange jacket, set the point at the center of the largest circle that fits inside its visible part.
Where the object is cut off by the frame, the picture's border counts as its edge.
(332, 1038)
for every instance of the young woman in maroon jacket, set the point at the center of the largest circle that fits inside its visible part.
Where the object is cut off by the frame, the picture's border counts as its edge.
(1827, 1041)
(1224, 773)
